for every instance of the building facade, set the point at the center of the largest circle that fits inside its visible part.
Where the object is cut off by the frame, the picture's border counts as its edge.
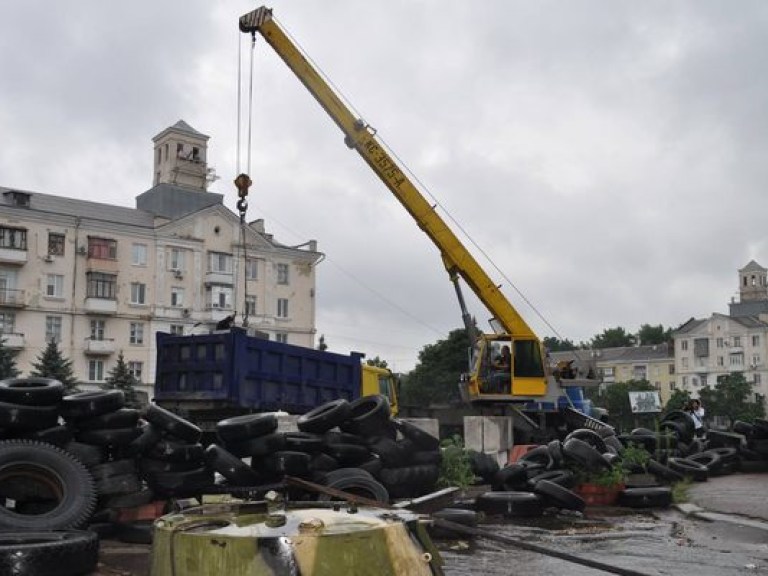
(103, 279)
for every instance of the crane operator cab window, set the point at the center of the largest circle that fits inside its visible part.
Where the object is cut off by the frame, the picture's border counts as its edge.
(505, 360)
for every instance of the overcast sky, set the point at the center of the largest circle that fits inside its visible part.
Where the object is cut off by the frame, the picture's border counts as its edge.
(609, 157)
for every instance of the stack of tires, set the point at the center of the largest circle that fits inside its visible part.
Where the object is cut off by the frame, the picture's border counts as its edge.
(754, 452)
(29, 409)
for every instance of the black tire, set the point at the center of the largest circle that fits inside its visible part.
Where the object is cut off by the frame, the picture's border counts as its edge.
(286, 463)
(708, 458)
(689, 468)
(357, 482)
(664, 472)
(122, 418)
(172, 451)
(672, 427)
(718, 439)
(181, 484)
(90, 404)
(323, 463)
(646, 497)
(121, 484)
(727, 455)
(115, 468)
(109, 436)
(564, 478)
(539, 455)
(427, 457)
(614, 442)
(584, 455)
(87, 454)
(683, 418)
(559, 496)
(57, 435)
(333, 437)
(303, 442)
(511, 478)
(513, 504)
(409, 481)
(666, 441)
(245, 427)
(590, 437)
(321, 419)
(258, 447)
(149, 466)
(390, 451)
(132, 500)
(31, 391)
(645, 441)
(237, 472)
(483, 465)
(22, 417)
(374, 466)
(367, 416)
(457, 516)
(39, 471)
(139, 532)
(744, 428)
(147, 439)
(423, 440)
(50, 553)
(348, 455)
(173, 424)
(555, 448)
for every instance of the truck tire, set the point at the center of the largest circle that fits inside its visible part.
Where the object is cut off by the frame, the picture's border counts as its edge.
(689, 468)
(258, 447)
(409, 481)
(108, 436)
(90, 404)
(740, 427)
(583, 454)
(559, 496)
(245, 427)
(718, 439)
(122, 418)
(539, 455)
(708, 458)
(23, 417)
(31, 391)
(48, 553)
(615, 443)
(173, 424)
(423, 440)
(138, 532)
(303, 442)
(646, 497)
(590, 437)
(47, 472)
(237, 472)
(357, 484)
(512, 504)
(367, 416)
(324, 417)
(483, 465)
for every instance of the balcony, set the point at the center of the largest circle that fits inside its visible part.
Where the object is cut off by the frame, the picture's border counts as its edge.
(100, 306)
(103, 347)
(214, 313)
(221, 278)
(13, 256)
(13, 340)
(12, 298)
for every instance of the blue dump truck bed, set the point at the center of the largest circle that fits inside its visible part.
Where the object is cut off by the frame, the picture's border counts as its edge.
(230, 372)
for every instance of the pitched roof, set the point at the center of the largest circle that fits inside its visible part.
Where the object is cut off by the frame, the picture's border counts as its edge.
(752, 267)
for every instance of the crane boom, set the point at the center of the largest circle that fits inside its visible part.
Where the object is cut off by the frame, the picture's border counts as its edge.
(457, 259)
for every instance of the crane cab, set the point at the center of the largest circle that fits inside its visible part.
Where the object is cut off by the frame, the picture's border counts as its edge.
(503, 368)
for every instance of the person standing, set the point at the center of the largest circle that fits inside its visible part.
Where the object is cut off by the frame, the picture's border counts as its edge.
(696, 410)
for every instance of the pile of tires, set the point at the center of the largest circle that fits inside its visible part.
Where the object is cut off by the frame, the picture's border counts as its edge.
(335, 443)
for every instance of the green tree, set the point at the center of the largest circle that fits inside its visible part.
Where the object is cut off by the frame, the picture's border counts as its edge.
(615, 399)
(378, 362)
(52, 364)
(7, 361)
(119, 378)
(649, 335)
(554, 344)
(613, 338)
(732, 398)
(678, 400)
(321, 345)
(435, 378)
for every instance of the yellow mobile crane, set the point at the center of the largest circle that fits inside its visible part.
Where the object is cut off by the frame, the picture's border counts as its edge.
(528, 377)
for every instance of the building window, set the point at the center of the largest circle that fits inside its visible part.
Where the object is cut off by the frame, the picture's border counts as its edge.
(54, 285)
(684, 345)
(755, 359)
(55, 244)
(97, 329)
(684, 362)
(671, 368)
(176, 259)
(179, 149)
(685, 381)
(250, 305)
(177, 296)
(177, 329)
(720, 361)
(756, 340)
(139, 254)
(252, 269)
(282, 307)
(100, 285)
(220, 263)
(7, 322)
(53, 328)
(102, 248)
(639, 373)
(136, 369)
(737, 341)
(282, 274)
(737, 360)
(137, 333)
(14, 238)
(757, 379)
(281, 337)
(96, 370)
(673, 385)
(138, 293)
(719, 342)
(221, 297)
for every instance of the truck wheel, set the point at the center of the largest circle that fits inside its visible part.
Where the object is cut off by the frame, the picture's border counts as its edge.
(717, 439)
(22, 417)
(62, 553)
(122, 418)
(743, 428)
(325, 417)
(689, 468)
(646, 497)
(230, 466)
(90, 404)
(367, 416)
(708, 458)
(245, 427)
(172, 423)
(559, 496)
(423, 440)
(31, 391)
(539, 455)
(514, 504)
(42, 472)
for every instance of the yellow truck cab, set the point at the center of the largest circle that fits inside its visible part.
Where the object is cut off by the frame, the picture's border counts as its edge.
(380, 381)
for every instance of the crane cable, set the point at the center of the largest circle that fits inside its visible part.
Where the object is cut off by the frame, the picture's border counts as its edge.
(243, 182)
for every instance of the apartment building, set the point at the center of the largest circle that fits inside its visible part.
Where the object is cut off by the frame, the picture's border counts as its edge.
(103, 279)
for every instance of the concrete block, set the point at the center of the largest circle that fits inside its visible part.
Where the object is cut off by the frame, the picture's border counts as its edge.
(287, 422)
(488, 433)
(429, 425)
